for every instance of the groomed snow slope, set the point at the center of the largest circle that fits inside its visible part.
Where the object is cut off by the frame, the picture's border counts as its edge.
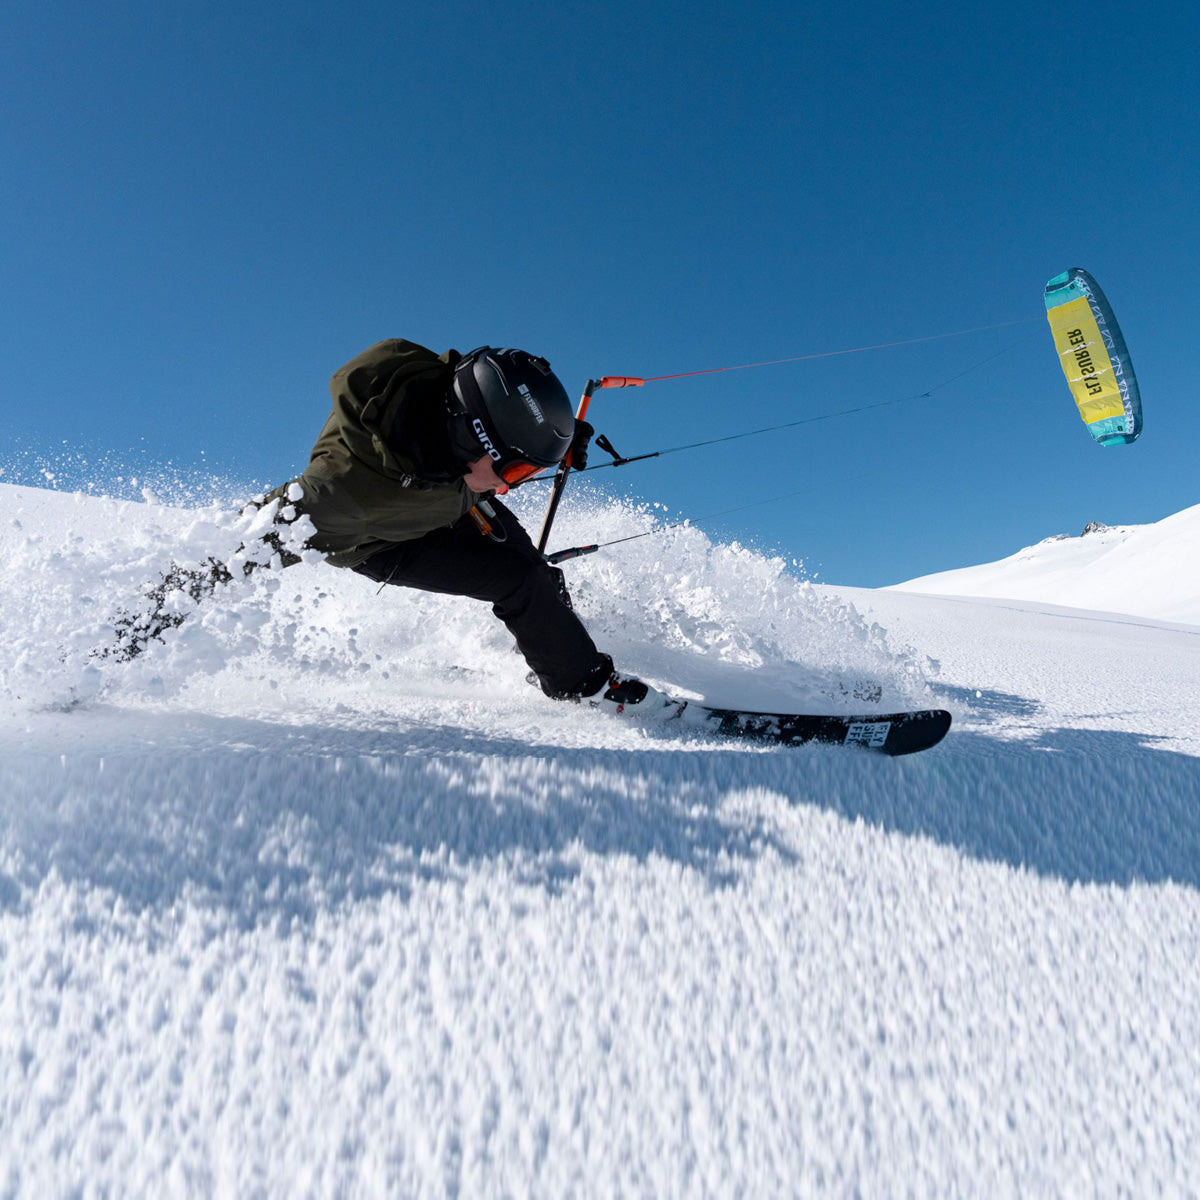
(319, 899)
(1149, 570)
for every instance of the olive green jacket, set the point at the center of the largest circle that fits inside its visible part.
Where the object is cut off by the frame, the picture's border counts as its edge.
(360, 492)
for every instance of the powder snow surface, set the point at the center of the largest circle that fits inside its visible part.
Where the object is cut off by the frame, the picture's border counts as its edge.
(318, 898)
(1150, 570)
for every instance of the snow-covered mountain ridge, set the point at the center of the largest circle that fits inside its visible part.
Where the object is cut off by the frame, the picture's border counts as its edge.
(318, 898)
(1146, 570)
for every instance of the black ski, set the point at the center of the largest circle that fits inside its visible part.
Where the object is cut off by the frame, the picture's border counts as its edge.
(879, 733)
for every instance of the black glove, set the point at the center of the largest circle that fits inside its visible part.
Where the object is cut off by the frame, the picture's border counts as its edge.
(579, 444)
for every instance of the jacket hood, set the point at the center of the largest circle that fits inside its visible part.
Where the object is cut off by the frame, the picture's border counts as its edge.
(389, 411)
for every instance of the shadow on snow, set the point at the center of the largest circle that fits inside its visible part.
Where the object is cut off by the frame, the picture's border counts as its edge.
(280, 834)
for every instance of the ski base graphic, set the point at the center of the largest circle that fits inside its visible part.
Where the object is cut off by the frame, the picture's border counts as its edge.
(880, 733)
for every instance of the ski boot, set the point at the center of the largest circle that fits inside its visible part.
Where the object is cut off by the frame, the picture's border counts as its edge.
(628, 696)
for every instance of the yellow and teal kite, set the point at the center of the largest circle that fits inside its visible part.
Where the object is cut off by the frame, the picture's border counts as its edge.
(1094, 358)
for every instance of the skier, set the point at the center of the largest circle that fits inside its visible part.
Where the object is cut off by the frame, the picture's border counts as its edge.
(401, 488)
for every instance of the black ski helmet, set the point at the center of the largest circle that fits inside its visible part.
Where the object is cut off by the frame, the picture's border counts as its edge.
(510, 406)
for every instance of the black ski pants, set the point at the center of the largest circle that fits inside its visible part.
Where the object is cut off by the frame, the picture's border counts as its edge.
(525, 592)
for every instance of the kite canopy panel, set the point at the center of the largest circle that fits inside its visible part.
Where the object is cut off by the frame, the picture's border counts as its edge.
(1094, 357)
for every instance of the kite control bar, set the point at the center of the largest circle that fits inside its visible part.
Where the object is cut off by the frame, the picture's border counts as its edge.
(575, 552)
(620, 381)
(564, 467)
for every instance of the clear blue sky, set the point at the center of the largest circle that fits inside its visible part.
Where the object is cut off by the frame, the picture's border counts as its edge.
(206, 209)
